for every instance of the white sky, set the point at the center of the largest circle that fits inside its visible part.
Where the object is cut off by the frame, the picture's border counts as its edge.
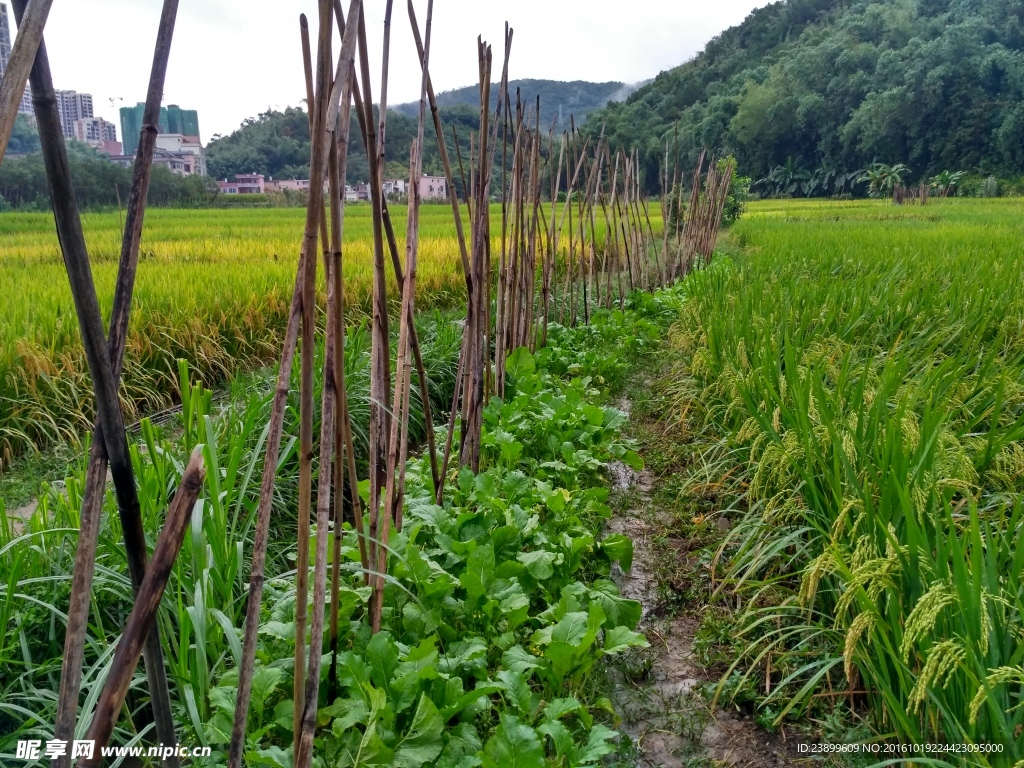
(231, 59)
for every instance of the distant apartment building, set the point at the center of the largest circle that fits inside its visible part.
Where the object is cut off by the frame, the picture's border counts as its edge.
(433, 187)
(98, 133)
(5, 54)
(73, 106)
(173, 120)
(244, 184)
(187, 149)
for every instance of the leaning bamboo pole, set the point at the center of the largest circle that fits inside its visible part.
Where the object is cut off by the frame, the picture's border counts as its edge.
(345, 449)
(19, 65)
(101, 370)
(95, 485)
(256, 578)
(314, 221)
(552, 249)
(142, 619)
(398, 441)
(380, 355)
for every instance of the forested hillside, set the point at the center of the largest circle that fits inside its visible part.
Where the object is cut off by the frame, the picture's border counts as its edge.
(277, 144)
(557, 98)
(817, 89)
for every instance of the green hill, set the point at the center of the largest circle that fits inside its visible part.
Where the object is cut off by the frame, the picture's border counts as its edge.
(277, 144)
(557, 98)
(825, 87)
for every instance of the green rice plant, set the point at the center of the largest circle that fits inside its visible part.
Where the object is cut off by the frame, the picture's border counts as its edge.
(868, 366)
(213, 287)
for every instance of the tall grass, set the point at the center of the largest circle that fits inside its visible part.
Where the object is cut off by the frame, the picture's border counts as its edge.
(204, 604)
(867, 363)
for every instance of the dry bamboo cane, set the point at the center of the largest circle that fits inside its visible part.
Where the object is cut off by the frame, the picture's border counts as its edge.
(19, 65)
(612, 222)
(304, 744)
(398, 444)
(644, 206)
(508, 279)
(400, 409)
(565, 209)
(92, 497)
(307, 66)
(499, 310)
(529, 284)
(321, 139)
(142, 618)
(666, 218)
(626, 245)
(380, 353)
(393, 249)
(477, 353)
(256, 578)
(94, 341)
(692, 213)
(468, 328)
(552, 245)
(463, 251)
(314, 218)
(593, 177)
(530, 273)
(472, 397)
(570, 276)
(344, 447)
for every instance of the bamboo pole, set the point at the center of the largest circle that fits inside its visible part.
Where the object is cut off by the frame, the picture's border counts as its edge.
(142, 618)
(552, 249)
(460, 235)
(19, 65)
(92, 497)
(90, 321)
(380, 354)
(345, 449)
(314, 223)
(398, 442)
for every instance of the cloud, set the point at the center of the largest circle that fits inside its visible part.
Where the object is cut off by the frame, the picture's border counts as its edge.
(232, 59)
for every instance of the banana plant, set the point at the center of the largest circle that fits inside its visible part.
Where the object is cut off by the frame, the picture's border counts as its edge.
(946, 182)
(882, 179)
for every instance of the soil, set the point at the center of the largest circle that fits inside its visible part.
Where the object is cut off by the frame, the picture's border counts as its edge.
(664, 693)
(19, 516)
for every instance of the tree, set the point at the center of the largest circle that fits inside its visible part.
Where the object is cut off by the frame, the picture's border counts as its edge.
(883, 179)
(839, 85)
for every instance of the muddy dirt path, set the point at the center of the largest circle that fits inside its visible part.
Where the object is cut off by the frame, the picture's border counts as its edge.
(664, 693)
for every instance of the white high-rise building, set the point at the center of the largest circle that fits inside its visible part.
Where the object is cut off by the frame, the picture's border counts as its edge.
(5, 55)
(73, 106)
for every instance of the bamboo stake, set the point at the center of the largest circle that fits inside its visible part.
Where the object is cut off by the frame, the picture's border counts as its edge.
(314, 224)
(142, 619)
(92, 497)
(398, 439)
(19, 65)
(380, 354)
(552, 245)
(345, 450)
(90, 321)
(323, 138)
